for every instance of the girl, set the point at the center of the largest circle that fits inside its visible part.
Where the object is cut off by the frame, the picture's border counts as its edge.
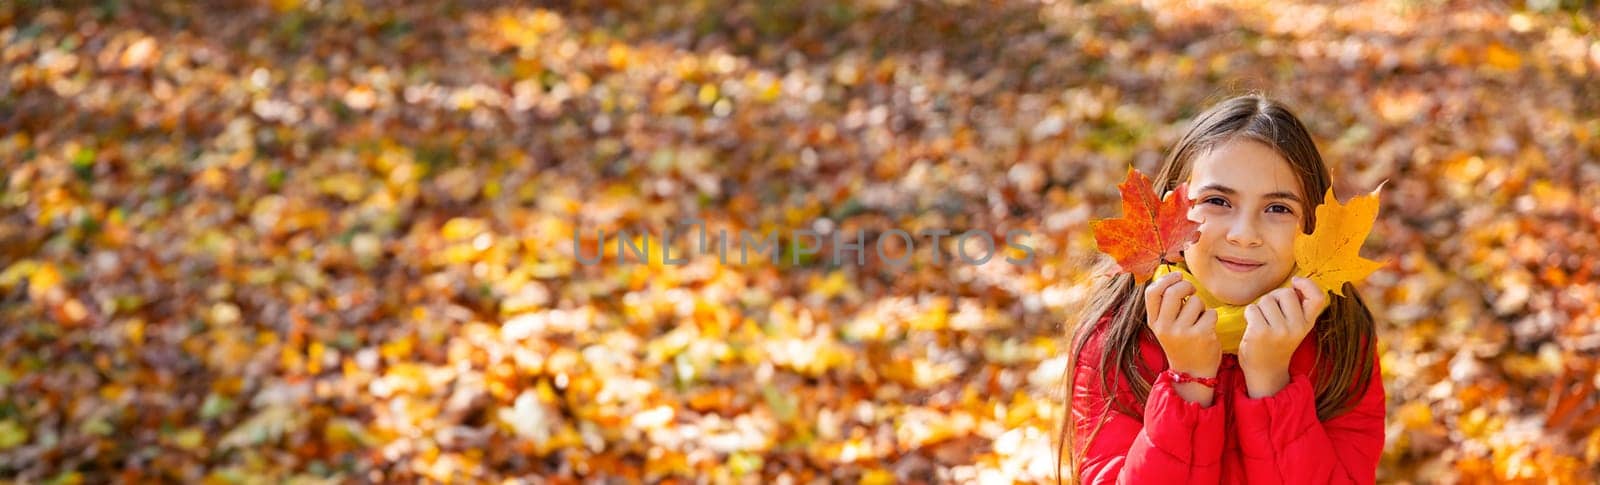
(1152, 395)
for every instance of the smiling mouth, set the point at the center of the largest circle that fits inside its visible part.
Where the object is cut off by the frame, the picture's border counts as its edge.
(1238, 266)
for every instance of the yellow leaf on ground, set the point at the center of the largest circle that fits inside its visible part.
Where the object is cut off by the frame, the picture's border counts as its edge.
(12, 434)
(1501, 57)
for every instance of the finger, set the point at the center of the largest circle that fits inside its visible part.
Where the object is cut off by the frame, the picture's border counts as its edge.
(1289, 306)
(1192, 308)
(1172, 300)
(1271, 311)
(1315, 298)
(1208, 321)
(1152, 295)
(1254, 323)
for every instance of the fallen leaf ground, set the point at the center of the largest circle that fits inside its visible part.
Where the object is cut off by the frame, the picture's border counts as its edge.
(333, 241)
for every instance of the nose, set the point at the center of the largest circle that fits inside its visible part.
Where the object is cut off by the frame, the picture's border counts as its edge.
(1242, 231)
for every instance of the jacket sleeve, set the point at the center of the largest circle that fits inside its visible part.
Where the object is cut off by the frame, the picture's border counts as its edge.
(1283, 442)
(1177, 439)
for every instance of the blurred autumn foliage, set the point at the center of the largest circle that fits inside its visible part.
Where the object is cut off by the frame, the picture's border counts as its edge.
(327, 240)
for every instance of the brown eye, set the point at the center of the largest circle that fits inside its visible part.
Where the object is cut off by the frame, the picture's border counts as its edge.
(1280, 208)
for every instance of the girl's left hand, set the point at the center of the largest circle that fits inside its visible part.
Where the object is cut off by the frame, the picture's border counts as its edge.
(1275, 325)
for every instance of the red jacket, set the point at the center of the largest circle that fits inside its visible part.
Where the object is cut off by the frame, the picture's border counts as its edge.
(1275, 439)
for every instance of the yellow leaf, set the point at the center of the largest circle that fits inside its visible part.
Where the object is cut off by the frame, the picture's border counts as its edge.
(877, 477)
(68, 478)
(348, 186)
(189, 438)
(769, 91)
(17, 272)
(347, 432)
(619, 55)
(314, 357)
(1416, 415)
(12, 434)
(398, 349)
(1503, 58)
(833, 285)
(462, 229)
(43, 279)
(1330, 255)
(937, 316)
(707, 94)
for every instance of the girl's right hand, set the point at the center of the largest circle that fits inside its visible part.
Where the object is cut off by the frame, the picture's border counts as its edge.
(1185, 329)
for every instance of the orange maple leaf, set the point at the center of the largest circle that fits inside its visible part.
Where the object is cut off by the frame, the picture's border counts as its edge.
(1331, 255)
(1151, 230)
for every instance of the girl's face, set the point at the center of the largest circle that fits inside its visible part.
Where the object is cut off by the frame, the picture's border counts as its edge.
(1250, 206)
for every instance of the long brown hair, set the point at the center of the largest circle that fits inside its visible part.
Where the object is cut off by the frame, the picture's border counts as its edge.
(1344, 332)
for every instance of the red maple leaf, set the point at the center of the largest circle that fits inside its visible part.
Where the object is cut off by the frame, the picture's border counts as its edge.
(1150, 232)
